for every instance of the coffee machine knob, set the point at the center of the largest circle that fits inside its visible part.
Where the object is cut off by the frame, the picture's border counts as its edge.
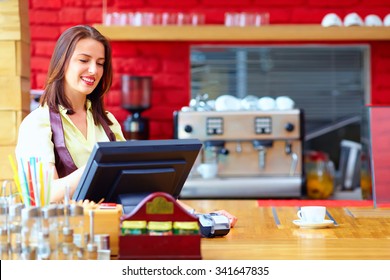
(224, 151)
(289, 127)
(188, 128)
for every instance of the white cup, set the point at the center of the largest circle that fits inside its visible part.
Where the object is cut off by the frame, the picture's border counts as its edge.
(227, 103)
(284, 103)
(386, 20)
(312, 214)
(353, 19)
(208, 170)
(373, 20)
(331, 19)
(266, 103)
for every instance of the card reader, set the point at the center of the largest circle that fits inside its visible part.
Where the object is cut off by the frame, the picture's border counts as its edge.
(213, 224)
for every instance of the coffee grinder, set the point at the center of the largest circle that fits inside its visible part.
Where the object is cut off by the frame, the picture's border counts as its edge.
(136, 98)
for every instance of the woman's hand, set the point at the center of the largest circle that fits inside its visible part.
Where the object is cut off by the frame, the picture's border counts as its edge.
(232, 219)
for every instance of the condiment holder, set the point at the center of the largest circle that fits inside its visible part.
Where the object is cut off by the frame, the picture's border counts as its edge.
(160, 234)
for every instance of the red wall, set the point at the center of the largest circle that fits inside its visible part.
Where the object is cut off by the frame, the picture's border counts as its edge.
(168, 63)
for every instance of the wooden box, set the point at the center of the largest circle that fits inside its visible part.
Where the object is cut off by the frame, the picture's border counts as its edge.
(159, 206)
(106, 221)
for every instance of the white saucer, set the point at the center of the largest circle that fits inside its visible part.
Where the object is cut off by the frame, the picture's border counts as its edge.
(323, 224)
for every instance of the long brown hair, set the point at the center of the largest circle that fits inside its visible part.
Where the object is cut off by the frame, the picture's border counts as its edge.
(54, 93)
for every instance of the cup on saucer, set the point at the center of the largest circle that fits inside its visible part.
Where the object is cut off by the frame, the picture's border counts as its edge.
(312, 214)
(208, 170)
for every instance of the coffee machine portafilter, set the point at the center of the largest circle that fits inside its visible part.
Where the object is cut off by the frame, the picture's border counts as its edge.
(259, 153)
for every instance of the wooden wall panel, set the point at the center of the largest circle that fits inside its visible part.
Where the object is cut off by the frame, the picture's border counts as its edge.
(7, 58)
(14, 93)
(14, 77)
(10, 121)
(6, 170)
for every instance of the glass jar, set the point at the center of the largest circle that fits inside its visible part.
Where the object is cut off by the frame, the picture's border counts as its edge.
(365, 177)
(50, 229)
(60, 222)
(15, 228)
(4, 246)
(31, 225)
(76, 220)
(67, 249)
(44, 251)
(4, 215)
(319, 175)
(76, 223)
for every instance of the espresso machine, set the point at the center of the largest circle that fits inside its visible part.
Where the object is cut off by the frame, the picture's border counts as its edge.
(259, 153)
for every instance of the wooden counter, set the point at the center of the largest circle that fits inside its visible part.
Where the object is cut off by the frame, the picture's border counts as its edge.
(273, 32)
(258, 235)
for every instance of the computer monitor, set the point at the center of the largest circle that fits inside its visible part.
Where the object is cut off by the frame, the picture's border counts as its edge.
(125, 172)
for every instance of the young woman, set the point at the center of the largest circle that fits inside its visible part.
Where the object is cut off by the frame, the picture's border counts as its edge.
(71, 117)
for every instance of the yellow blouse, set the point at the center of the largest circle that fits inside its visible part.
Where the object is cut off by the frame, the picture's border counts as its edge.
(35, 135)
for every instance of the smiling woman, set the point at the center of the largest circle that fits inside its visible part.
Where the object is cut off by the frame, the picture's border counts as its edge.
(71, 117)
(83, 73)
(62, 132)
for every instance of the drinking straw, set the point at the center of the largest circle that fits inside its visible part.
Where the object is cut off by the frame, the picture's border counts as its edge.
(16, 176)
(25, 191)
(50, 176)
(30, 186)
(34, 180)
(41, 183)
(46, 185)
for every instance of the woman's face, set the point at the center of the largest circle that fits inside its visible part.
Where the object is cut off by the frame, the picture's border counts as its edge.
(85, 68)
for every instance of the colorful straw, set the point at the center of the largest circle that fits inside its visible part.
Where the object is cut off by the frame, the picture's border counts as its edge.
(16, 176)
(33, 179)
(30, 184)
(24, 183)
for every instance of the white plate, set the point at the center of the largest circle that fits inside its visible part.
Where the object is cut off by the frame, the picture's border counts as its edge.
(302, 224)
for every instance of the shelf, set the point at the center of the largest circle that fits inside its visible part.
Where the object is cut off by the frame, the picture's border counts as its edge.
(302, 32)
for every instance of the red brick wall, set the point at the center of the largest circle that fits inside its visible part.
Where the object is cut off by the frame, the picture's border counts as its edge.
(168, 63)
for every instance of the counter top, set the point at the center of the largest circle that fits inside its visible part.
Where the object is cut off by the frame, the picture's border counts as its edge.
(268, 233)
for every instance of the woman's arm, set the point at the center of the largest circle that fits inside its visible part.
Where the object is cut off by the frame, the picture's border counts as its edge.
(57, 193)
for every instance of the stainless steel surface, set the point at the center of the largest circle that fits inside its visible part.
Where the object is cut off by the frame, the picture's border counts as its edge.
(238, 187)
(239, 125)
(250, 162)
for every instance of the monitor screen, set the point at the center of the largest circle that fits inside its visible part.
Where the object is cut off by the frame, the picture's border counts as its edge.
(126, 172)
